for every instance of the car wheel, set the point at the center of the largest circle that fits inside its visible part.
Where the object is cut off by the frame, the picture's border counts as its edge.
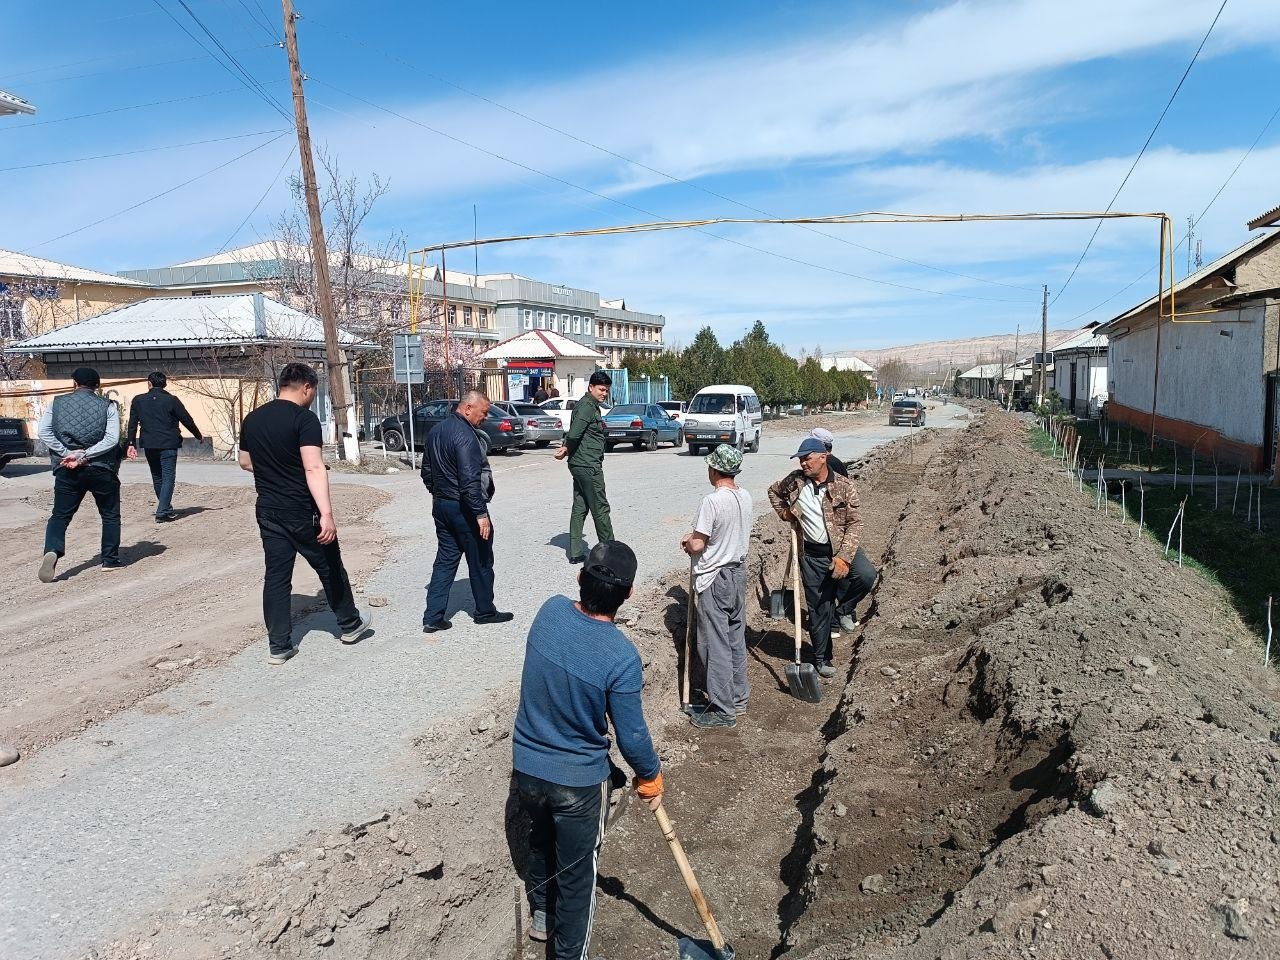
(393, 440)
(679, 439)
(651, 442)
(742, 443)
(609, 446)
(693, 449)
(755, 444)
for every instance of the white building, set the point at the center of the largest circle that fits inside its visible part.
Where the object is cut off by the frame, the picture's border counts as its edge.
(1079, 371)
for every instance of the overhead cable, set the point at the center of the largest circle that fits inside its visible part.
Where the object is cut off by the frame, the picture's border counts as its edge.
(133, 153)
(132, 106)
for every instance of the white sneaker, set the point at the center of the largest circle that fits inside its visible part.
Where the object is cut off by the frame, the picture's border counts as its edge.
(366, 621)
(47, 565)
(847, 623)
(278, 658)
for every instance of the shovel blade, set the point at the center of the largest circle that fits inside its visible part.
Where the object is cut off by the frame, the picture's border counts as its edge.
(780, 604)
(803, 681)
(704, 950)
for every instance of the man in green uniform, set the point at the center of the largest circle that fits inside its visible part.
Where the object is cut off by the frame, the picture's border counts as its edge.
(584, 446)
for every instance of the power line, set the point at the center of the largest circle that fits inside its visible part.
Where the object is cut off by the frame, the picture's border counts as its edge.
(253, 81)
(648, 213)
(162, 193)
(654, 170)
(132, 106)
(271, 186)
(1150, 136)
(261, 21)
(137, 66)
(133, 153)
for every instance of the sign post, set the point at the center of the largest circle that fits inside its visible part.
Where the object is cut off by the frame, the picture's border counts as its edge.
(407, 369)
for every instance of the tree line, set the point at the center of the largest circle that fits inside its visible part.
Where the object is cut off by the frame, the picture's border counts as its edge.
(755, 361)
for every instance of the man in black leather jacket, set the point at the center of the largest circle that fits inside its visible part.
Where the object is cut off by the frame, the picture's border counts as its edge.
(158, 413)
(452, 463)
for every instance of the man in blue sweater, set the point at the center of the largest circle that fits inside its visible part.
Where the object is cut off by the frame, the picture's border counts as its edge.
(580, 673)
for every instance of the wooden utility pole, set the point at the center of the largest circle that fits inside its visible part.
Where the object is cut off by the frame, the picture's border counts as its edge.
(1044, 340)
(343, 415)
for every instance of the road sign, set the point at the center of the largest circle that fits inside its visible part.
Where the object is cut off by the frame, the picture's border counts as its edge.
(407, 362)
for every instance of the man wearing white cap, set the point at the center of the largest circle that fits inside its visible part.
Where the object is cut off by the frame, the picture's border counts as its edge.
(862, 572)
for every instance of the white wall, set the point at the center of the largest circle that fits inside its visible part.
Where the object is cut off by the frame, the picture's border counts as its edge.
(1205, 377)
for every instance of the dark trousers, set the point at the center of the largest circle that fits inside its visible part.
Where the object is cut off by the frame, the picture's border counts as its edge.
(820, 596)
(458, 535)
(854, 588)
(164, 472)
(588, 497)
(284, 537)
(69, 488)
(564, 842)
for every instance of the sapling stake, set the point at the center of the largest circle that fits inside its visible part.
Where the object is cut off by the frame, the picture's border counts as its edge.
(1235, 496)
(1266, 655)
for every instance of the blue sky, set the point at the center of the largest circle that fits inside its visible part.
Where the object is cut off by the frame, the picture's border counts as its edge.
(796, 109)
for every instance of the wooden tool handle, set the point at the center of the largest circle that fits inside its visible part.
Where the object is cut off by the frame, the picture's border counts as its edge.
(688, 639)
(795, 586)
(690, 881)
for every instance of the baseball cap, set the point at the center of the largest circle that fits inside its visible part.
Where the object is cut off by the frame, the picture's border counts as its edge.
(725, 459)
(809, 445)
(613, 562)
(826, 436)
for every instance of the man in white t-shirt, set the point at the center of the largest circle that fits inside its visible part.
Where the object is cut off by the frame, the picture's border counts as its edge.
(718, 545)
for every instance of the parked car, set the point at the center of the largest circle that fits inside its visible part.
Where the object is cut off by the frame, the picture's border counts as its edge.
(14, 442)
(724, 413)
(643, 424)
(906, 413)
(504, 432)
(562, 409)
(541, 427)
(677, 409)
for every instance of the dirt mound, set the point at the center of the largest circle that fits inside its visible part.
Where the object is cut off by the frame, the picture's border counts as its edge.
(1053, 742)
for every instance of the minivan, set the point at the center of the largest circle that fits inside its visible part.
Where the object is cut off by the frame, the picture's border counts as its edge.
(724, 413)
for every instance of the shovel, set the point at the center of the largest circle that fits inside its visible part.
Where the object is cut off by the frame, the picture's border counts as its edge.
(691, 949)
(802, 678)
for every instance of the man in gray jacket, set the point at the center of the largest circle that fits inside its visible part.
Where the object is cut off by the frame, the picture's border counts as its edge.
(82, 433)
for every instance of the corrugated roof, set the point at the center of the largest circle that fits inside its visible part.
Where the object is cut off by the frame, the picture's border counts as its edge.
(1086, 339)
(1269, 219)
(14, 264)
(539, 345)
(9, 104)
(186, 321)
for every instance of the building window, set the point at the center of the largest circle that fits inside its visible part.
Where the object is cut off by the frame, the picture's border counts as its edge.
(202, 293)
(484, 317)
(528, 319)
(12, 316)
(453, 315)
(396, 310)
(577, 325)
(586, 325)
(542, 320)
(466, 317)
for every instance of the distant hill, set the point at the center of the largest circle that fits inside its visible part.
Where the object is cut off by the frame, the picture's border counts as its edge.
(942, 354)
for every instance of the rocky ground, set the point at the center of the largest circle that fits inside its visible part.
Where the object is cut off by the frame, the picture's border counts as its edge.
(1049, 742)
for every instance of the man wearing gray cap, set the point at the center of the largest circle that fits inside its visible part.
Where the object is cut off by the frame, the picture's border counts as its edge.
(718, 544)
(862, 572)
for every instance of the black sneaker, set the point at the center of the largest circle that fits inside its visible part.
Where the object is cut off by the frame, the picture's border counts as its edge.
(575, 560)
(498, 616)
(113, 564)
(710, 718)
(166, 517)
(436, 627)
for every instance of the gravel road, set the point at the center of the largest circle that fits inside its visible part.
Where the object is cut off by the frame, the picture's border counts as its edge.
(105, 828)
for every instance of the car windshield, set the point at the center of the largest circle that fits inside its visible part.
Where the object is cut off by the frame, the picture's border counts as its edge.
(905, 404)
(672, 405)
(712, 403)
(528, 410)
(629, 410)
(497, 413)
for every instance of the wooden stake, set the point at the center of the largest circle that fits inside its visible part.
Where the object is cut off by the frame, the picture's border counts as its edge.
(519, 926)
(1266, 655)
(1235, 496)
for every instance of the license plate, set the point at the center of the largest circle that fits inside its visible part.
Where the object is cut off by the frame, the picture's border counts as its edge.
(8, 431)
(617, 433)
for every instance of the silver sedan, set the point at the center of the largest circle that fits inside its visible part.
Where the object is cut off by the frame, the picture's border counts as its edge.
(541, 427)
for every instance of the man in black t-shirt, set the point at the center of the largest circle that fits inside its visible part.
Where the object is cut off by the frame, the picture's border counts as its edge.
(281, 445)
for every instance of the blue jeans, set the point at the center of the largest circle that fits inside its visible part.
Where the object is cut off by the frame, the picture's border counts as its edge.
(164, 472)
(567, 828)
(458, 535)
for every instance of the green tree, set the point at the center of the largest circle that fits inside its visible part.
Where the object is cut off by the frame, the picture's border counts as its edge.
(702, 363)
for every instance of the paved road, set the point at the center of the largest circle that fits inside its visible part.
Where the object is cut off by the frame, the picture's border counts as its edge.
(103, 829)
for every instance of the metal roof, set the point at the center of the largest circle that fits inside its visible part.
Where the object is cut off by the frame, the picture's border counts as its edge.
(1269, 219)
(540, 345)
(188, 321)
(14, 264)
(1086, 339)
(10, 105)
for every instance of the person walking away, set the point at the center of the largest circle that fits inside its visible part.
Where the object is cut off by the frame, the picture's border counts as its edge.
(580, 674)
(862, 573)
(721, 534)
(584, 446)
(540, 395)
(452, 465)
(553, 392)
(81, 431)
(281, 444)
(159, 413)
(823, 507)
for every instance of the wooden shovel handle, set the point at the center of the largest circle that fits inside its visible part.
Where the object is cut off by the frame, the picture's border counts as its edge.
(795, 586)
(690, 881)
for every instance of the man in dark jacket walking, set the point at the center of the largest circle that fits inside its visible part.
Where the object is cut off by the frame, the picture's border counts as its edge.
(452, 462)
(282, 445)
(159, 413)
(584, 445)
(82, 433)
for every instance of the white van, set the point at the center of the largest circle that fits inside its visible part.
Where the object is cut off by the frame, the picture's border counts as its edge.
(724, 413)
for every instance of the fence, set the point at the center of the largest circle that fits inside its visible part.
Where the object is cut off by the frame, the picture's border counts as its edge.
(641, 389)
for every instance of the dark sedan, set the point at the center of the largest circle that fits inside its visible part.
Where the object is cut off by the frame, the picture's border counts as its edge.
(14, 442)
(504, 432)
(643, 424)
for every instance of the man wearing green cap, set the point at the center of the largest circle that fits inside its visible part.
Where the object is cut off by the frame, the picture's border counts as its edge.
(718, 544)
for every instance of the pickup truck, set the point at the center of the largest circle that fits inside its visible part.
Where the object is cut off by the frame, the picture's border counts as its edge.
(14, 442)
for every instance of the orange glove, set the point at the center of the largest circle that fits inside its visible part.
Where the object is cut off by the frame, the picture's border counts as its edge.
(648, 789)
(839, 569)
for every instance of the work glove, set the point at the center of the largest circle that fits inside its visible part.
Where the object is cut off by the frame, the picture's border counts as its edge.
(839, 569)
(649, 788)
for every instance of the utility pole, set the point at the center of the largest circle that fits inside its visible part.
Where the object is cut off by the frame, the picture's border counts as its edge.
(1017, 342)
(1044, 339)
(343, 412)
